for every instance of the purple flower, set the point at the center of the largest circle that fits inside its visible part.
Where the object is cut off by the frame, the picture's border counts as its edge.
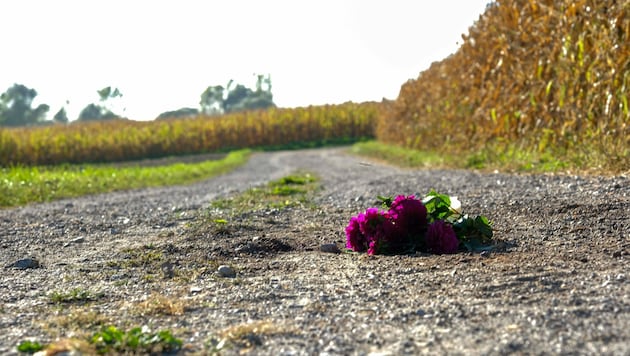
(441, 238)
(368, 231)
(409, 215)
(354, 236)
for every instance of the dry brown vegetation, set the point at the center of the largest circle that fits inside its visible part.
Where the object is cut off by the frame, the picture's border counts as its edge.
(121, 140)
(538, 75)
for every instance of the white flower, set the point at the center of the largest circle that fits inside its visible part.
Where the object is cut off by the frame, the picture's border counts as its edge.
(456, 205)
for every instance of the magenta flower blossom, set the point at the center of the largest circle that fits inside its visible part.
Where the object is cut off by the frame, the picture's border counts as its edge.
(368, 231)
(409, 215)
(441, 238)
(354, 236)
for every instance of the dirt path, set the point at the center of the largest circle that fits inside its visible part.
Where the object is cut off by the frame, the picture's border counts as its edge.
(147, 258)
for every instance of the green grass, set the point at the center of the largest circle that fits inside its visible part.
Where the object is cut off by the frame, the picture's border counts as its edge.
(77, 295)
(507, 157)
(23, 185)
(288, 191)
(110, 340)
(403, 157)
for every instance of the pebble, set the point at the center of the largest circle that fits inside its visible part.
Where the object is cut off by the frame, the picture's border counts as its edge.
(226, 271)
(330, 248)
(25, 263)
(74, 241)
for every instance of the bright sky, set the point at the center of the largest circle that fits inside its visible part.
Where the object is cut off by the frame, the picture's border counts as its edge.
(163, 54)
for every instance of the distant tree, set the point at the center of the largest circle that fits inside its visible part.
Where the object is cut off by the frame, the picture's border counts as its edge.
(103, 110)
(212, 100)
(180, 113)
(61, 117)
(16, 110)
(218, 100)
(94, 112)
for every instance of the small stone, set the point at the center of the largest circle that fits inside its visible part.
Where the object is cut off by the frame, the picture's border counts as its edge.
(226, 271)
(76, 240)
(330, 248)
(167, 269)
(485, 253)
(25, 263)
(166, 234)
(195, 289)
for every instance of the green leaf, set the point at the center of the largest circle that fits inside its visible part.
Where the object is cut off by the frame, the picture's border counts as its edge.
(438, 205)
(30, 347)
(386, 201)
(169, 339)
(484, 226)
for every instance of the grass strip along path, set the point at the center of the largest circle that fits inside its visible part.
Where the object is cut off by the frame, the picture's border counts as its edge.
(23, 185)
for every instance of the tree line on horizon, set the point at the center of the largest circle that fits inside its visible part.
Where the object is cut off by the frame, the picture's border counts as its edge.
(16, 104)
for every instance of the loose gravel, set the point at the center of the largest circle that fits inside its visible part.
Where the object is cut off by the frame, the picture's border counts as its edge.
(150, 258)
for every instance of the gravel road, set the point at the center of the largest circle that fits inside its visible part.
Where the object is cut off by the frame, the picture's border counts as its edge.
(146, 258)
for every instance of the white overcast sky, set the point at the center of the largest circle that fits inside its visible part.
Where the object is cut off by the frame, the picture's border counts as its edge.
(163, 54)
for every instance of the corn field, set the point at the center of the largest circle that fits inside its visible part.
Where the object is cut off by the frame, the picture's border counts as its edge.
(543, 74)
(121, 140)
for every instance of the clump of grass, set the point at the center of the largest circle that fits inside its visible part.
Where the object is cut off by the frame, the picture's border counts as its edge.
(248, 335)
(289, 191)
(158, 304)
(145, 256)
(23, 185)
(111, 340)
(79, 319)
(30, 346)
(135, 340)
(292, 191)
(77, 295)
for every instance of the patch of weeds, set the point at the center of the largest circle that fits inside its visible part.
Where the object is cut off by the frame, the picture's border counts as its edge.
(295, 179)
(30, 347)
(195, 270)
(289, 191)
(75, 319)
(137, 340)
(147, 256)
(158, 304)
(245, 336)
(77, 295)
(110, 340)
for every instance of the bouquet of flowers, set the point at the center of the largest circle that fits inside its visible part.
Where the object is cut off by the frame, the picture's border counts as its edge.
(434, 224)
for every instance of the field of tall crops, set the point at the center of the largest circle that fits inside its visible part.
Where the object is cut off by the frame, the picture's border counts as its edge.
(122, 140)
(539, 76)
